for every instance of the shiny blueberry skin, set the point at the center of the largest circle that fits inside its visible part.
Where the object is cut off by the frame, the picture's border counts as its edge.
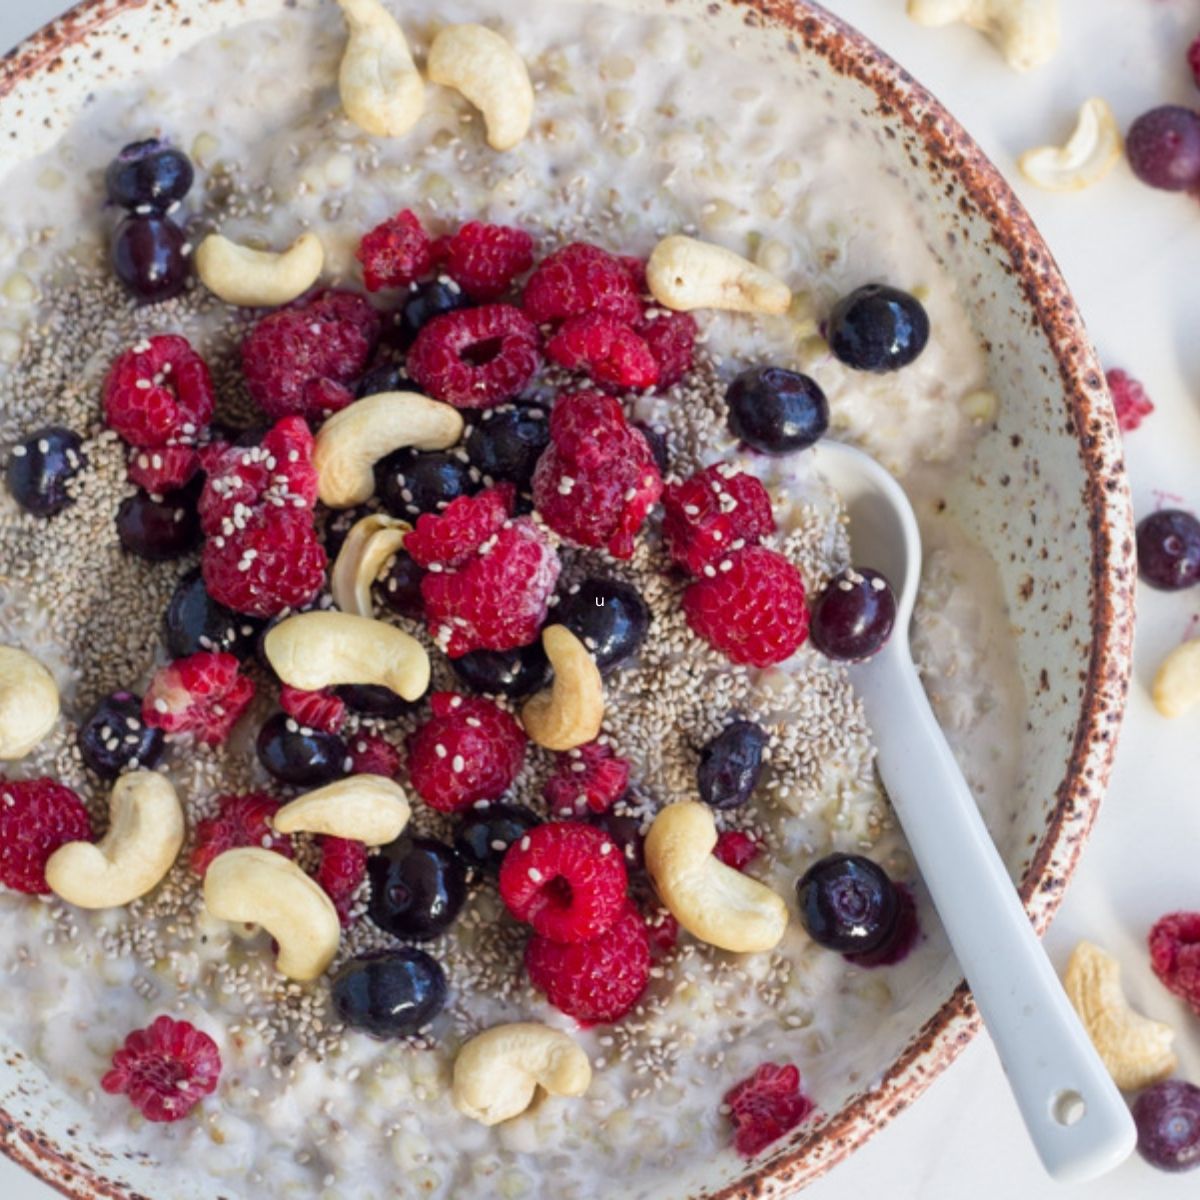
(418, 886)
(847, 903)
(372, 700)
(195, 622)
(608, 616)
(400, 588)
(731, 764)
(877, 328)
(424, 302)
(411, 482)
(1163, 148)
(1168, 548)
(626, 832)
(40, 466)
(518, 672)
(657, 441)
(508, 441)
(386, 377)
(147, 255)
(776, 411)
(113, 736)
(300, 756)
(853, 616)
(487, 830)
(389, 993)
(158, 530)
(148, 174)
(1167, 1116)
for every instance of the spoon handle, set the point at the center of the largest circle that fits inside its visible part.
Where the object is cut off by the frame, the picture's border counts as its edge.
(1076, 1117)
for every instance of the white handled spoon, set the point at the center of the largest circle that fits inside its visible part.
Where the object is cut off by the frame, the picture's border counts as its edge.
(1076, 1117)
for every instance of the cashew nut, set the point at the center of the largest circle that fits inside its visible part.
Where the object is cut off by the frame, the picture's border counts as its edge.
(316, 650)
(498, 1071)
(1176, 686)
(368, 545)
(568, 713)
(684, 273)
(28, 702)
(485, 68)
(144, 835)
(713, 902)
(1026, 31)
(352, 441)
(381, 89)
(371, 809)
(263, 888)
(1091, 152)
(1136, 1050)
(259, 278)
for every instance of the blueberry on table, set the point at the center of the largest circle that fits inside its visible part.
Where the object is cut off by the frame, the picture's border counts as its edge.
(389, 993)
(776, 411)
(1168, 549)
(848, 904)
(411, 482)
(149, 176)
(877, 328)
(195, 622)
(158, 530)
(300, 756)
(113, 736)
(1163, 148)
(515, 673)
(853, 616)
(418, 886)
(1167, 1116)
(487, 830)
(508, 441)
(149, 257)
(731, 765)
(608, 616)
(40, 466)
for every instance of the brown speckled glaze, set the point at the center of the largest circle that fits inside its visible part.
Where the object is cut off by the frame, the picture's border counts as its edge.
(1046, 493)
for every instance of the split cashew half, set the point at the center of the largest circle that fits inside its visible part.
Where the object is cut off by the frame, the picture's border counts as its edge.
(381, 89)
(368, 546)
(1026, 31)
(570, 712)
(371, 809)
(259, 278)
(144, 837)
(28, 702)
(316, 650)
(260, 887)
(484, 68)
(713, 902)
(352, 441)
(1091, 152)
(1176, 687)
(684, 273)
(497, 1072)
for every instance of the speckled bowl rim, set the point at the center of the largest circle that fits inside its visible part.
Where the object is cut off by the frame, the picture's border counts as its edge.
(950, 150)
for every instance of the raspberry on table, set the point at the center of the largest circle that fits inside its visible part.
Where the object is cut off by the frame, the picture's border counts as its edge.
(590, 778)
(737, 849)
(452, 537)
(203, 694)
(396, 252)
(322, 710)
(607, 349)
(1129, 399)
(715, 512)
(241, 820)
(485, 259)
(580, 278)
(159, 392)
(162, 469)
(165, 1069)
(671, 339)
(371, 754)
(1175, 955)
(36, 817)
(340, 872)
(766, 1106)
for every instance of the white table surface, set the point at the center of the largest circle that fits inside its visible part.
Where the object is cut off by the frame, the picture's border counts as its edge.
(1132, 257)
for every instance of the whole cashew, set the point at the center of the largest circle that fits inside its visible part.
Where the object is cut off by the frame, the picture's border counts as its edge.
(371, 809)
(1026, 31)
(259, 278)
(28, 702)
(352, 441)
(497, 1072)
(368, 545)
(485, 68)
(569, 713)
(1091, 152)
(1176, 687)
(143, 840)
(263, 888)
(381, 89)
(315, 650)
(684, 273)
(713, 902)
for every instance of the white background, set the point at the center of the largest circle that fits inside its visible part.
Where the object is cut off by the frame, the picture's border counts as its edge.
(1132, 257)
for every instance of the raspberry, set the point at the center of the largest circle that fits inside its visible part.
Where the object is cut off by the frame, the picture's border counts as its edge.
(707, 516)
(159, 391)
(597, 480)
(162, 469)
(484, 259)
(371, 754)
(475, 357)
(766, 1106)
(671, 339)
(1129, 399)
(1193, 58)
(737, 849)
(342, 869)
(566, 879)
(608, 350)
(1175, 955)
(302, 359)
(452, 537)
(36, 817)
(165, 1069)
(663, 931)
(754, 612)
(395, 253)
(322, 710)
(201, 694)
(596, 981)
(635, 268)
(469, 750)
(241, 820)
(580, 278)
(587, 778)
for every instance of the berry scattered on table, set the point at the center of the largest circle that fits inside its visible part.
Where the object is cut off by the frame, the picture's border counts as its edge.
(590, 778)
(847, 903)
(36, 817)
(194, 621)
(487, 830)
(484, 260)
(159, 392)
(411, 482)
(158, 530)
(418, 887)
(506, 443)
(371, 754)
(165, 1069)
(389, 993)
(776, 411)
(148, 176)
(609, 616)
(113, 737)
(765, 1107)
(737, 849)
(606, 349)
(304, 757)
(580, 278)
(1129, 399)
(1167, 1116)
(41, 466)
(853, 616)
(1163, 148)
(149, 255)
(877, 328)
(241, 820)
(517, 672)
(396, 252)
(341, 871)
(715, 512)
(1175, 955)
(203, 694)
(1168, 549)
(731, 765)
(323, 710)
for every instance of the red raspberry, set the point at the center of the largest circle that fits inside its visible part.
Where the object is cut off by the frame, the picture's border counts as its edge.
(587, 778)
(596, 981)
(635, 268)
(469, 750)
(165, 1069)
(302, 359)
(342, 869)
(371, 754)
(766, 1106)
(36, 817)
(453, 537)
(322, 710)
(607, 349)
(580, 278)
(663, 931)
(754, 612)
(484, 259)
(566, 879)
(1193, 58)
(1175, 955)
(737, 849)
(241, 820)
(202, 694)
(707, 516)
(159, 391)
(476, 357)
(395, 253)
(162, 469)
(1129, 399)
(671, 339)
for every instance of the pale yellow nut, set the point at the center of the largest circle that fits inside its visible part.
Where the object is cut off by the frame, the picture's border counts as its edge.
(371, 809)
(1176, 687)
(28, 702)
(570, 711)
(484, 67)
(1025, 31)
(368, 546)
(498, 1072)
(1090, 152)
(684, 273)
(260, 887)
(378, 82)
(1136, 1050)
(352, 441)
(259, 278)
(711, 901)
(145, 833)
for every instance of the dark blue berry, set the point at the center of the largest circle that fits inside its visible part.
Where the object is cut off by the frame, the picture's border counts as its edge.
(877, 328)
(147, 256)
(731, 764)
(847, 903)
(149, 175)
(1168, 549)
(386, 377)
(389, 993)
(1167, 1116)
(411, 482)
(487, 831)
(113, 736)
(508, 441)
(300, 756)
(424, 302)
(625, 830)
(338, 524)
(853, 616)
(400, 588)
(372, 700)
(158, 530)
(657, 441)
(40, 466)
(418, 886)
(608, 616)
(514, 673)
(776, 411)
(195, 622)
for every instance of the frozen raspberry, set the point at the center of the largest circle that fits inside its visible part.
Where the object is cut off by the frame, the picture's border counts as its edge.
(607, 349)
(663, 931)
(452, 537)
(317, 710)
(36, 817)
(241, 820)
(484, 259)
(580, 278)
(470, 749)
(588, 778)
(1129, 399)
(395, 253)
(566, 879)
(371, 754)
(754, 612)
(476, 357)
(202, 694)
(737, 849)
(1175, 955)
(159, 391)
(707, 516)
(766, 1106)
(597, 981)
(342, 869)
(162, 469)
(671, 339)
(635, 268)
(303, 359)
(165, 1069)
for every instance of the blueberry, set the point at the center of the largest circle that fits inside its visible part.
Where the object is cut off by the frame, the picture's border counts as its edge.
(853, 616)
(487, 831)
(731, 764)
(147, 256)
(1168, 549)
(626, 832)
(514, 673)
(1167, 1116)
(847, 903)
(508, 441)
(608, 616)
(300, 756)
(195, 622)
(877, 328)
(39, 467)
(424, 302)
(411, 482)
(149, 174)
(776, 411)
(338, 524)
(418, 886)
(372, 700)
(389, 993)
(657, 441)
(385, 377)
(158, 530)
(113, 736)
(400, 588)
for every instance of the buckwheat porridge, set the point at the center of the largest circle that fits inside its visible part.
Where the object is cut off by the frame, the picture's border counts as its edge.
(541, 706)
